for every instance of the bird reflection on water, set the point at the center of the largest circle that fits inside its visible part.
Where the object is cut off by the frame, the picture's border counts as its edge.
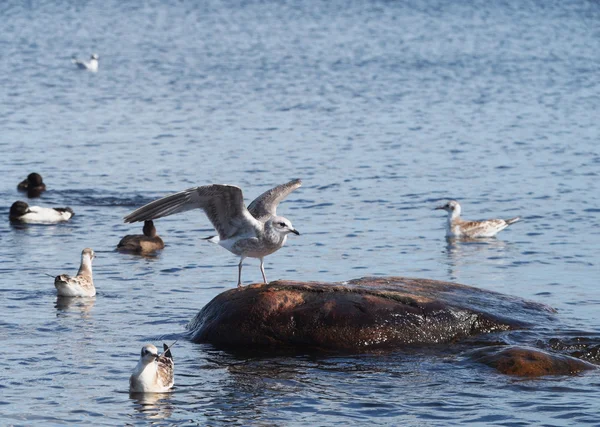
(66, 305)
(153, 406)
(463, 252)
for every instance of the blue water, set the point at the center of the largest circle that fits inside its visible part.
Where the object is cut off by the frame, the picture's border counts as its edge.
(383, 108)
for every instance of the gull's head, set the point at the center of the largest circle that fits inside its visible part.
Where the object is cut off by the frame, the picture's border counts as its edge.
(149, 353)
(94, 56)
(282, 225)
(452, 207)
(88, 253)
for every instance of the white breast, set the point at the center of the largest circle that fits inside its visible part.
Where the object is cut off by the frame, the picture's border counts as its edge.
(144, 379)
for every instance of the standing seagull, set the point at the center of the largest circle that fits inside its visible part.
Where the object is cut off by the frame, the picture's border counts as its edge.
(254, 232)
(153, 373)
(81, 285)
(456, 227)
(91, 65)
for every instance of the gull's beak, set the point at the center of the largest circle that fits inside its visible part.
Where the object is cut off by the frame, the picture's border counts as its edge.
(296, 232)
(438, 207)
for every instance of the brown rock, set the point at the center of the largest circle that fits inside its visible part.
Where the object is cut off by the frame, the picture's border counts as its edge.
(362, 314)
(529, 362)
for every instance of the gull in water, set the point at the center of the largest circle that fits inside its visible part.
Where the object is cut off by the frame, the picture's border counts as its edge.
(153, 373)
(21, 212)
(33, 185)
(253, 232)
(91, 65)
(457, 227)
(81, 285)
(138, 243)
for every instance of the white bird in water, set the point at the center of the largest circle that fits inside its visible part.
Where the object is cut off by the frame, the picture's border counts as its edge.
(21, 212)
(153, 373)
(253, 232)
(81, 285)
(91, 65)
(457, 227)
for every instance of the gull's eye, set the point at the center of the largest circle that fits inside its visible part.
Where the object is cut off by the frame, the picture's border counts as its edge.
(282, 224)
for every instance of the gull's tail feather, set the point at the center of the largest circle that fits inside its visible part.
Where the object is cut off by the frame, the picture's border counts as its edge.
(512, 220)
(167, 350)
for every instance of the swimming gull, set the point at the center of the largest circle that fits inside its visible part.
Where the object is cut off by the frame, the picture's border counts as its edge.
(91, 65)
(456, 227)
(253, 232)
(153, 373)
(81, 285)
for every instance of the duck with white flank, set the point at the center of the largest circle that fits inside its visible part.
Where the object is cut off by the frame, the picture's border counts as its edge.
(91, 65)
(153, 373)
(142, 243)
(253, 232)
(457, 227)
(33, 185)
(81, 285)
(21, 212)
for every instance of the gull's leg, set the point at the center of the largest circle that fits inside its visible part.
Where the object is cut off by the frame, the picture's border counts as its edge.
(240, 272)
(262, 269)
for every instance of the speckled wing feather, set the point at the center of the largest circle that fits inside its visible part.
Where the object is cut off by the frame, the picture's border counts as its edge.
(166, 367)
(482, 228)
(84, 281)
(265, 205)
(223, 204)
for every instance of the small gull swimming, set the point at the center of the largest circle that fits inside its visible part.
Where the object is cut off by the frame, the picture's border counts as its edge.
(21, 212)
(91, 65)
(253, 232)
(153, 373)
(81, 285)
(457, 227)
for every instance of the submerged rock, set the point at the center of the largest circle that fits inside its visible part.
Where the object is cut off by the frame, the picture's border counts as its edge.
(529, 362)
(359, 315)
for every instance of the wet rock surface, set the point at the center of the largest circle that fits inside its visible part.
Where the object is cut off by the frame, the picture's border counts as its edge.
(529, 362)
(360, 315)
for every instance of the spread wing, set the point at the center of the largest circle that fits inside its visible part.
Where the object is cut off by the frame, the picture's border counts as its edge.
(223, 204)
(265, 205)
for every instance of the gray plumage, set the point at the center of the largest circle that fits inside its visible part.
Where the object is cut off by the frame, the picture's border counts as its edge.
(255, 232)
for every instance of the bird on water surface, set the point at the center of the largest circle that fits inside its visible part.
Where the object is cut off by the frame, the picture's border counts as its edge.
(21, 212)
(33, 185)
(253, 232)
(457, 227)
(153, 373)
(91, 65)
(82, 285)
(138, 243)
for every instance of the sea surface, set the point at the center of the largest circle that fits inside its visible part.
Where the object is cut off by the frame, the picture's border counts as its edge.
(385, 109)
